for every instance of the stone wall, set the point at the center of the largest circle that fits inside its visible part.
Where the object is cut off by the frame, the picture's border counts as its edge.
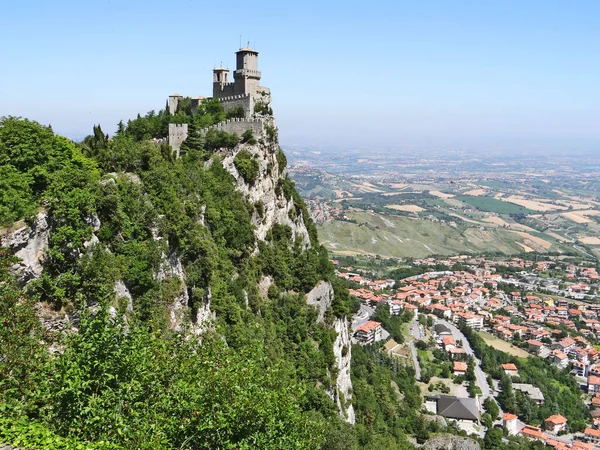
(238, 126)
(245, 101)
(223, 89)
(178, 132)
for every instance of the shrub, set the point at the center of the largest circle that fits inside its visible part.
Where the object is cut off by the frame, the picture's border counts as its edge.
(247, 166)
(281, 160)
(260, 209)
(216, 139)
(236, 111)
(248, 137)
(261, 108)
(271, 132)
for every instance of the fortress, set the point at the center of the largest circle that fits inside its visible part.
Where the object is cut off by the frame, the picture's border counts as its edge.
(245, 92)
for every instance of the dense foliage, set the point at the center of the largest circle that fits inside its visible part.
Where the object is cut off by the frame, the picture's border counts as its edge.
(121, 209)
(247, 166)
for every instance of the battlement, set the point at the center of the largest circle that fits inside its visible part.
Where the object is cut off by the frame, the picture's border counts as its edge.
(237, 119)
(239, 126)
(178, 128)
(234, 97)
(248, 72)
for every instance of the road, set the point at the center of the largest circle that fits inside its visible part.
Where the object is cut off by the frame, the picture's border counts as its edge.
(415, 331)
(479, 373)
(362, 316)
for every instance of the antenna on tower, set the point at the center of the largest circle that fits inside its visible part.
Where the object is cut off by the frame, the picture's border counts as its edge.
(240, 41)
(248, 43)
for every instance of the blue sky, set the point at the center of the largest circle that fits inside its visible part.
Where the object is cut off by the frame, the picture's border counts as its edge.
(392, 73)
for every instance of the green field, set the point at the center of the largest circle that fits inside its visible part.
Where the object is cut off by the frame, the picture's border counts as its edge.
(491, 204)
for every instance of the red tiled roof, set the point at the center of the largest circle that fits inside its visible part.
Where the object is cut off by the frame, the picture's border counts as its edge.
(533, 432)
(509, 366)
(592, 432)
(460, 366)
(368, 326)
(509, 416)
(556, 419)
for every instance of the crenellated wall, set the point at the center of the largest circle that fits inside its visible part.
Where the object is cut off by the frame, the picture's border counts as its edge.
(238, 126)
(178, 132)
(245, 101)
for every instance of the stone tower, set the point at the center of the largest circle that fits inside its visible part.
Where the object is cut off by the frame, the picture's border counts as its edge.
(173, 103)
(246, 75)
(221, 84)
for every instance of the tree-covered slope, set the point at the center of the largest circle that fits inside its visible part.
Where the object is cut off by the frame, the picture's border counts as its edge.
(160, 302)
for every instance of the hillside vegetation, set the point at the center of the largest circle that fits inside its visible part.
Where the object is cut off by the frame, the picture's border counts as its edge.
(126, 370)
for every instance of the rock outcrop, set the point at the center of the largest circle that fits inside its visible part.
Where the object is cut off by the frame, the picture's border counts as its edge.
(450, 442)
(121, 291)
(342, 350)
(30, 244)
(321, 297)
(171, 268)
(276, 208)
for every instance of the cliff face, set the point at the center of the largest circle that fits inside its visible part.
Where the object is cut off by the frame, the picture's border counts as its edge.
(144, 264)
(321, 297)
(450, 442)
(277, 208)
(29, 243)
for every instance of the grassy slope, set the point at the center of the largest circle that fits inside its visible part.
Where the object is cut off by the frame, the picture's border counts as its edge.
(398, 236)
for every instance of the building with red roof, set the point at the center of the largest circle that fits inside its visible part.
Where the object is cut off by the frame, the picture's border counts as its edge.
(556, 423)
(368, 332)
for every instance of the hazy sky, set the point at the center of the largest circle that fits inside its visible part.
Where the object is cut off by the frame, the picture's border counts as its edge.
(351, 72)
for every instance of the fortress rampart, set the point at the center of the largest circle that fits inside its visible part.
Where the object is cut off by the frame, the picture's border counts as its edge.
(239, 126)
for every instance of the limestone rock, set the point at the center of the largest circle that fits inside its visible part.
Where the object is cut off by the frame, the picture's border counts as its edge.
(451, 442)
(276, 208)
(205, 317)
(171, 268)
(121, 291)
(320, 296)
(30, 244)
(342, 350)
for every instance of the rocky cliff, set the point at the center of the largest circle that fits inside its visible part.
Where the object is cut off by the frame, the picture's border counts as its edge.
(321, 297)
(29, 243)
(450, 442)
(277, 209)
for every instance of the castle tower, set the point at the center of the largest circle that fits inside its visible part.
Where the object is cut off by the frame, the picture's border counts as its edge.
(173, 103)
(246, 75)
(220, 81)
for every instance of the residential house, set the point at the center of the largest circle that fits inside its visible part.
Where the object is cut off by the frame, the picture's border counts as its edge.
(531, 391)
(368, 332)
(473, 321)
(534, 346)
(560, 359)
(533, 433)
(592, 435)
(580, 368)
(510, 369)
(460, 368)
(510, 423)
(593, 384)
(556, 423)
